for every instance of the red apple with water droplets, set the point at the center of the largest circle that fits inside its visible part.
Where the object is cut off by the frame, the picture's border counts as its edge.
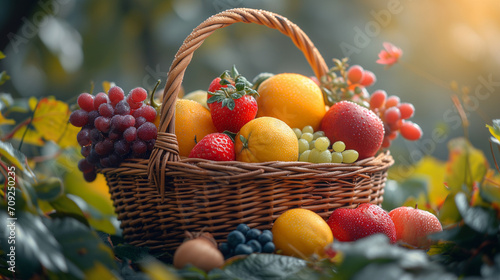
(358, 127)
(366, 219)
(413, 226)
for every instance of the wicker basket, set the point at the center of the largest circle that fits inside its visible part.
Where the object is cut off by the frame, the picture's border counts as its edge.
(158, 199)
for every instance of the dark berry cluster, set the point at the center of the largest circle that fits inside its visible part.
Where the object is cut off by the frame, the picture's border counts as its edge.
(245, 241)
(114, 127)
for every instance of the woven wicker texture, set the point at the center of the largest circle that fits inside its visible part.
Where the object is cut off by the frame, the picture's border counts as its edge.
(158, 199)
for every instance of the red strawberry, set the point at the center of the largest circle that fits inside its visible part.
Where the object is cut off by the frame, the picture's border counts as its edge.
(214, 146)
(222, 81)
(233, 105)
(235, 117)
(358, 127)
(367, 219)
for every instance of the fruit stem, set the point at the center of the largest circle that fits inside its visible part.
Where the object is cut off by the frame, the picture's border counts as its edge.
(152, 101)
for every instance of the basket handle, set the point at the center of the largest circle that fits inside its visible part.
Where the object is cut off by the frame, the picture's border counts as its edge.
(166, 147)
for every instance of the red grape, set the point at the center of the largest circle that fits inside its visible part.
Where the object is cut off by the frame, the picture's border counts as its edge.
(92, 116)
(79, 118)
(122, 108)
(138, 94)
(130, 134)
(411, 131)
(83, 137)
(102, 124)
(122, 147)
(114, 128)
(116, 95)
(104, 147)
(93, 157)
(407, 110)
(139, 147)
(96, 135)
(90, 176)
(147, 131)
(133, 105)
(85, 166)
(140, 121)
(377, 99)
(127, 121)
(106, 110)
(148, 112)
(99, 99)
(86, 102)
(114, 135)
(355, 74)
(85, 150)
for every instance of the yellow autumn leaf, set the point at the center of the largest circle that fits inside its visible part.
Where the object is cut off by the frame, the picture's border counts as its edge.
(494, 132)
(434, 170)
(49, 123)
(30, 136)
(3, 120)
(107, 85)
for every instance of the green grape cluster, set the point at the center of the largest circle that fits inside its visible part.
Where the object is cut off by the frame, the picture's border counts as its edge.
(315, 147)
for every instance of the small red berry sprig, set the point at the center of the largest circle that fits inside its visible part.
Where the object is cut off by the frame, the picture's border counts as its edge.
(344, 82)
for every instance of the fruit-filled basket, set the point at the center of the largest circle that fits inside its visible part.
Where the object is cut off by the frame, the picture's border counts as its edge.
(159, 198)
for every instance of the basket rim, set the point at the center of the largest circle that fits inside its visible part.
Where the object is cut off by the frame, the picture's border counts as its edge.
(136, 165)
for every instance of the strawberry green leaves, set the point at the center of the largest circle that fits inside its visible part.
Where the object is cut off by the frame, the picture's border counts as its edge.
(236, 86)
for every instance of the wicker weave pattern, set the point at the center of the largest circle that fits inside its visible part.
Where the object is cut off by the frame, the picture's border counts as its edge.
(158, 199)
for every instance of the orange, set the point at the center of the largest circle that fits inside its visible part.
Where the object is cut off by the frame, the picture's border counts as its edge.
(293, 98)
(301, 233)
(192, 123)
(266, 139)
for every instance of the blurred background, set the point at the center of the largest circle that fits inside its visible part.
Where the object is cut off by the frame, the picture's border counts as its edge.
(59, 47)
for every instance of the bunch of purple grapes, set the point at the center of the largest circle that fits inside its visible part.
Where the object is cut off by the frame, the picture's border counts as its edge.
(114, 127)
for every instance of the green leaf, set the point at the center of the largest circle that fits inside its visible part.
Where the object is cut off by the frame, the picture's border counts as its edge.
(82, 247)
(38, 246)
(2, 55)
(66, 207)
(234, 71)
(236, 95)
(481, 219)
(230, 104)
(374, 257)
(132, 253)
(12, 156)
(49, 189)
(466, 165)
(264, 266)
(261, 77)
(448, 213)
